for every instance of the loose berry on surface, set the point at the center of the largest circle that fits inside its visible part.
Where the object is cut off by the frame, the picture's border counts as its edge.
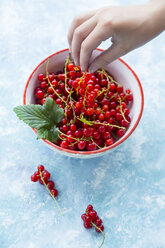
(43, 176)
(40, 168)
(34, 178)
(91, 219)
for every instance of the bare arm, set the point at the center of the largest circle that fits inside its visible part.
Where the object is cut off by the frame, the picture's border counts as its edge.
(128, 27)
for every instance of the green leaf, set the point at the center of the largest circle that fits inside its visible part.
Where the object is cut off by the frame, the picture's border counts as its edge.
(53, 111)
(49, 134)
(43, 118)
(32, 115)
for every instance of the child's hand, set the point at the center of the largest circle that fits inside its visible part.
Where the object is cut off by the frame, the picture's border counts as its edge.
(128, 27)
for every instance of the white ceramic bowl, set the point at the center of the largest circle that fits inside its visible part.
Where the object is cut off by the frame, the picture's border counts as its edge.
(121, 72)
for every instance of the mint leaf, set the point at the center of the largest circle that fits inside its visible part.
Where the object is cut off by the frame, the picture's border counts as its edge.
(43, 118)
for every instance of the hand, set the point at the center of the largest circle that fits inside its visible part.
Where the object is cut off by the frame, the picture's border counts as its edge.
(128, 27)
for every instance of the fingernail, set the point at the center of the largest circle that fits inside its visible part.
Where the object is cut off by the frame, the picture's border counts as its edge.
(70, 49)
(83, 68)
(91, 69)
(75, 62)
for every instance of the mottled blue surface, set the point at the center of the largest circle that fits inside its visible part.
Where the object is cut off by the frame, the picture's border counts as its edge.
(126, 187)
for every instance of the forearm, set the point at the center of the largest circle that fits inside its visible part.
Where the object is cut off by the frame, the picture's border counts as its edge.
(157, 1)
(158, 14)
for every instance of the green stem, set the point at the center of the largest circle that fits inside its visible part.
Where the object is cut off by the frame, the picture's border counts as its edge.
(100, 123)
(67, 135)
(101, 92)
(50, 192)
(104, 72)
(104, 124)
(93, 224)
(121, 110)
(85, 97)
(65, 69)
(96, 144)
(107, 77)
(77, 140)
(80, 82)
(47, 74)
(56, 92)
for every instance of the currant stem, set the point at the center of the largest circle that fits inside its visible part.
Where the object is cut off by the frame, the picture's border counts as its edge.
(67, 135)
(65, 69)
(50, 192)
(47, 74)
(107, 124)
(101, 92)
(93, 224)
(77, 139)
(100, 123)
(121, 110)
(104, 73)
(96, 144)
(80, 82)
(107, 76)
(56, 92)
(85, 97)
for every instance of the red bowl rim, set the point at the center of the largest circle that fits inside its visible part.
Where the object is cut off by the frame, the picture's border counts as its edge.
(103, 149)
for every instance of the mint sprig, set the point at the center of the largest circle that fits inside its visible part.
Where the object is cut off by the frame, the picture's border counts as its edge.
(44, 118)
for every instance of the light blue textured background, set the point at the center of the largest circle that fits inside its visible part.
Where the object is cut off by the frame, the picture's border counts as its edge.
(127, 187)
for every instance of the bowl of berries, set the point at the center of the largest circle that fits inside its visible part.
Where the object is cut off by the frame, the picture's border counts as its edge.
(81, 114)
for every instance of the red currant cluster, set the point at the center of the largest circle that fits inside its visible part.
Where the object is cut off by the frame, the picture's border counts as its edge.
(96, 107)
(90, 218)
(43, 176)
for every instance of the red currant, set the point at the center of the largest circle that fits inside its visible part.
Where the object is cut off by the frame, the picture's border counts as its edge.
(90, 207)
(73, 127)
(101, 227)
(70, 66)
(34, 178)
(50, 185)
(87, 225)
(40, 94)
(64, 144)
(40, 168)
(54, 192)
(89, 111)
(98, 222)
(109, 142)
(93, 215)
(41, 77)
(120, 132)
(45, 174)
(43, 85)
(81, 145)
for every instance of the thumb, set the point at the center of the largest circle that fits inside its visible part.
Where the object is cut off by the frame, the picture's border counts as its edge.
(106, 57)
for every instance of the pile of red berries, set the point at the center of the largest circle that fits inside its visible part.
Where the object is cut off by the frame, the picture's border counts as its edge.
(96, 107)
(43, 176)
(91, 218)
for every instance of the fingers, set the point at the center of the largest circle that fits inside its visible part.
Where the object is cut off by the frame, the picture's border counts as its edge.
(79, 35)
(106, 57)
(92, 41)
(77, 21)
